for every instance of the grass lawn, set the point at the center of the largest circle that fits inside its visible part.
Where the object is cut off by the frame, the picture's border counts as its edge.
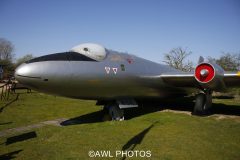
(167, 135)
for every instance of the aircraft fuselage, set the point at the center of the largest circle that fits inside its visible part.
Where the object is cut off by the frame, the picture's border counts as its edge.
(117, 76)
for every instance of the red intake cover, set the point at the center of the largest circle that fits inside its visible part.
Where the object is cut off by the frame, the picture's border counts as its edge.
(204, 67)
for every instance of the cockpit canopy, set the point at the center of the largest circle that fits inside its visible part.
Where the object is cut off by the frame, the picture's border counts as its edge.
(82, 52)
(91, 50)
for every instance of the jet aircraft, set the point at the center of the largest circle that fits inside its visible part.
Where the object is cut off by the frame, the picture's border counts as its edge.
(119, 80)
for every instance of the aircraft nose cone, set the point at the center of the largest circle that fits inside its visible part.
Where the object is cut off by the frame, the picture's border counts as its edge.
(23, 73)
(22, 70)
(26, 73)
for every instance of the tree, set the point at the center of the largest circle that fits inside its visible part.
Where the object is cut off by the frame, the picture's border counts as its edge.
(238, 61)
(228, 61)
(6, 50)
(177, 58)
(6, 57)
(8, 68)
(23, 59)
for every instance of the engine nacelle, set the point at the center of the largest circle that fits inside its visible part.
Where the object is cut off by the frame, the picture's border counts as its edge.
(210, 76)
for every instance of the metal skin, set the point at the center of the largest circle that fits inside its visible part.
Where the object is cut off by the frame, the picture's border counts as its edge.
(90, 71)
(91, 80)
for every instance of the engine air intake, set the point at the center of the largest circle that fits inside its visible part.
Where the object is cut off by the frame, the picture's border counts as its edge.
(204, 72)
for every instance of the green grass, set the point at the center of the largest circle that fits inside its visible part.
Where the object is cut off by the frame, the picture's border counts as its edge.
(172, 136)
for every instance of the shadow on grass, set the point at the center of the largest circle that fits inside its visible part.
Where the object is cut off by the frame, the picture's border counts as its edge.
(10, 155)
(146, 107)
(223, 97)
(26, 93)
(6, 123)
(136, 140)
(87, 118)
(177, 104)
(219, 108)
(9, 103)
(22, 137)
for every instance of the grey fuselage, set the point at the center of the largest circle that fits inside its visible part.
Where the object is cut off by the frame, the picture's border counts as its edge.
(119, 75)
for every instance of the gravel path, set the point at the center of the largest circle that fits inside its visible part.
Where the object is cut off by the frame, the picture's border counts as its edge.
(11, 131)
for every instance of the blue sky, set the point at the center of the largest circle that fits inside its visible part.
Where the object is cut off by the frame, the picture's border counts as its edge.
(146, 28)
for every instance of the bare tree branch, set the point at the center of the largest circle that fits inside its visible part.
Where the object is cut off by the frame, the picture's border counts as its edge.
(176, 58)
(24, 59)
(6, 49)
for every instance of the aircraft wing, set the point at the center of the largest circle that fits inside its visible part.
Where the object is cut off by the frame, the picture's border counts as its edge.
(232, 79)
(180, 80)
(206, 76)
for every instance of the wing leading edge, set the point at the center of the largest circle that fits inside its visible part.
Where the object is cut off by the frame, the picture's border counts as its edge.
(207, 75)
(189, 80)
(179, 80)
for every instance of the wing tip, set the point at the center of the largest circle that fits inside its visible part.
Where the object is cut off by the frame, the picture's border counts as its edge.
(238, 73)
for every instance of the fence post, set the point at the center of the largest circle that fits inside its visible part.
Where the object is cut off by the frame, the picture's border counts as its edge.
(2, 91)
(8, 90)
(5, 91)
